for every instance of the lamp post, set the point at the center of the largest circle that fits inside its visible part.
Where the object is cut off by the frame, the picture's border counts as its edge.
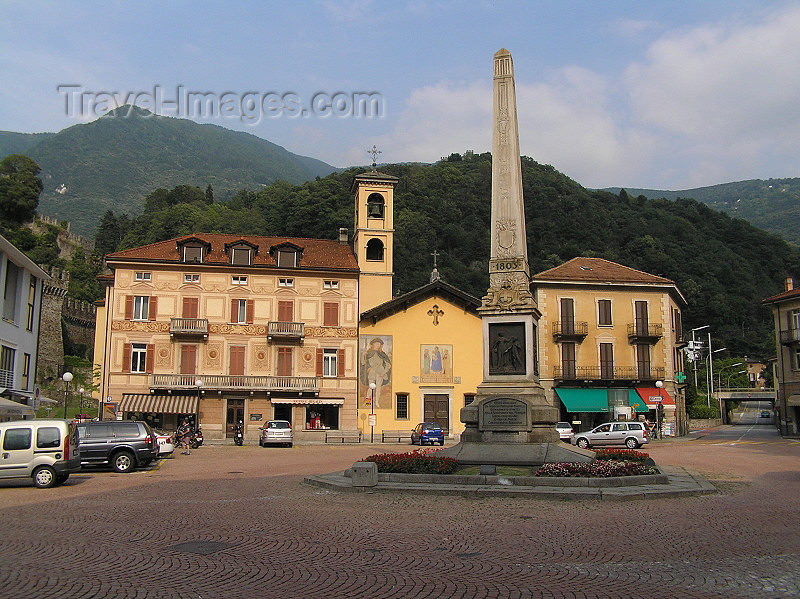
(711, 371)
(372, 387)
(199, 384)
(659, 385)
(66, 377)
(80, 407)
(705, 326)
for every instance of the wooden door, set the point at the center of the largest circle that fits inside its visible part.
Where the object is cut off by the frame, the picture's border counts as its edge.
(437, 409)
(606, 361)
(235, 413)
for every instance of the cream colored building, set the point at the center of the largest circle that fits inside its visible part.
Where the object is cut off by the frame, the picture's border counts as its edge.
(607, 334)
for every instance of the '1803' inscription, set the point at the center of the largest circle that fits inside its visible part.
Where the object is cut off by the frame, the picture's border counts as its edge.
(504, 414)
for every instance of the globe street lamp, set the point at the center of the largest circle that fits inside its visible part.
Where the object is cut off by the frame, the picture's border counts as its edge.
(372, 387)
(199, 384)
(66, 377)
(80, 408)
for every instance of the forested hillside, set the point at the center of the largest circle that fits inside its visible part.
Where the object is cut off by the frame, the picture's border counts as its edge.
(724, 266)
(113, 162)
(771, 204)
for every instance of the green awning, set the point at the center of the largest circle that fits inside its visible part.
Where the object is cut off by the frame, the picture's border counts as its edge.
(597, 400)
(584, 400)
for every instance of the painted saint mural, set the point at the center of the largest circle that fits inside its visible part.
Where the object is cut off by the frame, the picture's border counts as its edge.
(436, 363)
(375, 367)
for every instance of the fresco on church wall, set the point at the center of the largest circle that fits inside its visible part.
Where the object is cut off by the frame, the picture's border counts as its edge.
(436, 363)
(375, 365)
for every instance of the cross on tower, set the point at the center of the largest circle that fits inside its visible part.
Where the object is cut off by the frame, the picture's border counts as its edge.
(435, 255)
(374, 153)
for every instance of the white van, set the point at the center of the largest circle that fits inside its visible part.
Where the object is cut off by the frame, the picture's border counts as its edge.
(45, 450)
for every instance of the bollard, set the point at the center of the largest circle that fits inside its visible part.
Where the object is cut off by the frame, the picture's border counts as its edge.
(365, 474)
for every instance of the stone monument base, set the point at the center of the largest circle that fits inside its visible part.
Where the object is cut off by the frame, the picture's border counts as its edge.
(516, 454)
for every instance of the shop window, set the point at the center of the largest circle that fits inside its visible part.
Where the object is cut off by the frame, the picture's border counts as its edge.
(322, 416)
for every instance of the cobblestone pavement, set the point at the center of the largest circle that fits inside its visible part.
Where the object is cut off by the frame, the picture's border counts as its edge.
(237, 522)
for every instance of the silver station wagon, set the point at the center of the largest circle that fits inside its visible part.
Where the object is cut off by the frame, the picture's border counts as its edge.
(629, 434)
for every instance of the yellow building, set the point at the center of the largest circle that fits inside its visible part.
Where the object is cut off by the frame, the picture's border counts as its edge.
(223, 328)
(423, 351)
(608, 335)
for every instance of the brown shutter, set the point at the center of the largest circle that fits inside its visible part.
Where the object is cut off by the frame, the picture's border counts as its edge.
(152, 307)
(191, 307)
(236, 360)
(126, 357)
(128, 307)
(151, 357)
(234, 310)
(340, 363)
(249, 311)
(320, 354)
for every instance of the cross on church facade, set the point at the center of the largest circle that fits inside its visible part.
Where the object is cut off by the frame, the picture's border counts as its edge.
(436, 313)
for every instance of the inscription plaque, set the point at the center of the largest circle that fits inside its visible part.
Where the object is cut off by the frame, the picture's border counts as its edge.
(504, 414)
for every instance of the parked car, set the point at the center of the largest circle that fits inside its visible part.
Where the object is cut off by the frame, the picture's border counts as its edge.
(276, 432)
(629, 434)
(124, 444)
(564, 430)
(765, 414)
(427, 432)
(165, 444)
(45, 450)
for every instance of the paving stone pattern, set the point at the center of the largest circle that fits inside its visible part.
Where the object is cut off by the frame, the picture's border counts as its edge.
(237, 522)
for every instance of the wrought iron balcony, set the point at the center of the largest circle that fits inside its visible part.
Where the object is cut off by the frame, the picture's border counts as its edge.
(644, 332)
(286, 331)
(607, 374)
(188, 327)
(790, 336)
(224, 382)
(569, 330)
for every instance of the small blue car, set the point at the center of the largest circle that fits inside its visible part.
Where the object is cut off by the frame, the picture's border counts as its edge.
(427, 432)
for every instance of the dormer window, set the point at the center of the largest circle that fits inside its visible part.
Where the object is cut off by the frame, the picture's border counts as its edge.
(287, 255)
(375, 205)
(193, 253)
(241, 252)
(287, 259)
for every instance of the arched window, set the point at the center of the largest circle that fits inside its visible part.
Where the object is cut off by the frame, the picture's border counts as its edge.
(375, 205)
(374, 249)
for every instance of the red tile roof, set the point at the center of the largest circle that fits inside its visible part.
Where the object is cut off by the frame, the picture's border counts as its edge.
(784, 295)
(316, 253)
(598, 270)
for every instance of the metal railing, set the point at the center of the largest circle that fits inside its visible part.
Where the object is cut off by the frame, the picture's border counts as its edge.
(188, 326)
(652, 330)
(570, 328)
(599, 373)
(790, 336)
(216, 382)
(291, 330)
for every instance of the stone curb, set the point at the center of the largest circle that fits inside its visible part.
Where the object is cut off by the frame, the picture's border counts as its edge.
(680, 482)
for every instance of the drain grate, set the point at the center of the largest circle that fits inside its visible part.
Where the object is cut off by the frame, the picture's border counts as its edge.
(201, 547)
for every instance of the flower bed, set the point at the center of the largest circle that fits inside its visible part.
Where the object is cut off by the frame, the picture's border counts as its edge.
(419, 461)
(596, 469)
(627, 455)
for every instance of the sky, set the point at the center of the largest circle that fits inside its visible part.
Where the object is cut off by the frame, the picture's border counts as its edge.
(670, 94)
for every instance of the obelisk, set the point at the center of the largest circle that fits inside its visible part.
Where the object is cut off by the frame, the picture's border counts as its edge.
(510, 406)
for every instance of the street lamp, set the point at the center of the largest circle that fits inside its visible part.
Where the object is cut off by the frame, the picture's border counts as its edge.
(659, 385)
(80, 408)
(372, 387)
(199, 384)
(66, 377)
(705, 326)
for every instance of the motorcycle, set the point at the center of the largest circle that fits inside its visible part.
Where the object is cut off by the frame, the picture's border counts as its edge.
(238, 434)
(197, 438)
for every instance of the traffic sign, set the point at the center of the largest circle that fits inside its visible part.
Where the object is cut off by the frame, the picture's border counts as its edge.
(655, 399)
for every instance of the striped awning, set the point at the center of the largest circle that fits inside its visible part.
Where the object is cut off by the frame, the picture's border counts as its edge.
(336, 401)
(160, 404)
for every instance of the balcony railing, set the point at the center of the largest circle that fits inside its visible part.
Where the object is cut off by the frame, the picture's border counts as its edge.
(645, 332)
(616, 373)
(569, 329)
(790, 336)
(223, 382)
(286, 330)
(189, 327)
(7, 379)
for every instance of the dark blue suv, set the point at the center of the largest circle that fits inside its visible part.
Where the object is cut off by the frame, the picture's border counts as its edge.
(427, 432)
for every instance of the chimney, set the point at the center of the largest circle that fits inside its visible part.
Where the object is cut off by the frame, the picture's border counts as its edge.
(343, 235)
(789, 284)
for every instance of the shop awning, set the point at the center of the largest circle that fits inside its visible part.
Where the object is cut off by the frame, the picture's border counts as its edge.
(651, 394)
(160, 404)
(793, 400)
(584, 400)
(336, 401)
(14, 408)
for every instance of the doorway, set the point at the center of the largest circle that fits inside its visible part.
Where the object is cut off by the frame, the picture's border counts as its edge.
(235, 413)
(437, 409)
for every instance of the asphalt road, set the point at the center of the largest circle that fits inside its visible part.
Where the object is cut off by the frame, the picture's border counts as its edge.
(237, 522)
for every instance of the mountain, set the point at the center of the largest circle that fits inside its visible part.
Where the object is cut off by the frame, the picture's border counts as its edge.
(19, 143)
(772, 204)
(113, 162)
(723, 266)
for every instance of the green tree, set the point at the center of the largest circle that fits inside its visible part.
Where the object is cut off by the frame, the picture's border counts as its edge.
(20, 188)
